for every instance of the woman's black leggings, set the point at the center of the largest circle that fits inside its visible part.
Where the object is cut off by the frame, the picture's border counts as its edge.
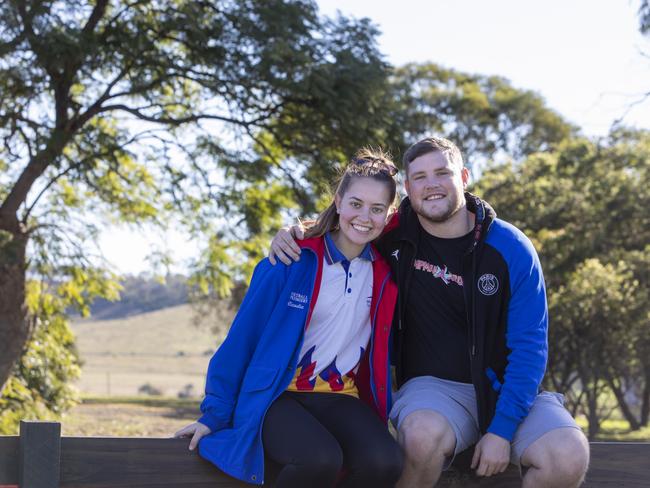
(318, 436)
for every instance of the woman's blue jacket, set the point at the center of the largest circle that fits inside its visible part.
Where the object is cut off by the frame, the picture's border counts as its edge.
(258, 358)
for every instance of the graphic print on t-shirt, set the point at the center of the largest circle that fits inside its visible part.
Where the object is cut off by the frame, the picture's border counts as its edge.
(329, 379)
(436, 332)
(443, 273)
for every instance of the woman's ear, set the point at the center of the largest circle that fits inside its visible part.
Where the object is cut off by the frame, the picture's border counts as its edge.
(337, 203)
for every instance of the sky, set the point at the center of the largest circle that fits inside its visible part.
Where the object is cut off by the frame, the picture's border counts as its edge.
(586, 58)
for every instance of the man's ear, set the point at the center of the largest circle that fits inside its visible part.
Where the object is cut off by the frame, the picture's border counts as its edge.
(406, 187)
(465, 175)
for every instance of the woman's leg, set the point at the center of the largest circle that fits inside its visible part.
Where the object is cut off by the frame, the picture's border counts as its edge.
(371, 457)
(293, 438)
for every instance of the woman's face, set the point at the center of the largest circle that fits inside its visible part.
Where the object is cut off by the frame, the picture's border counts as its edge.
(362, 210)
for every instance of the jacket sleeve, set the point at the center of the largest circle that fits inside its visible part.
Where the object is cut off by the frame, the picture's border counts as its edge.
(526, 338)
(228, 365)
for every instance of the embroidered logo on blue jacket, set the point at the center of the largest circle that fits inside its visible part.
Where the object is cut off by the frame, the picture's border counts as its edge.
(297, 300)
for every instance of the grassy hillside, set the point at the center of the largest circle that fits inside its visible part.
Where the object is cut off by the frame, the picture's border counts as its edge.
(163, 349)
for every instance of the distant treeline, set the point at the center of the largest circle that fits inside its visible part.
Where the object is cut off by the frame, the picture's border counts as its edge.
(142, 294)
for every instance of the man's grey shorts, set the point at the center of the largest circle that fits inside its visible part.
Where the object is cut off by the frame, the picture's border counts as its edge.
(457, 403)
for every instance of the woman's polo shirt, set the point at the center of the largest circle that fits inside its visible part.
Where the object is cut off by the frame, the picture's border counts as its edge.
(338, 332)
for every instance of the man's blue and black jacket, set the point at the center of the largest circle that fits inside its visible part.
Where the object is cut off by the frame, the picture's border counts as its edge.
(507, 314)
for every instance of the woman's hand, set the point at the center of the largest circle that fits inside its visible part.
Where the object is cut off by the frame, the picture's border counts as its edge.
(196, 431)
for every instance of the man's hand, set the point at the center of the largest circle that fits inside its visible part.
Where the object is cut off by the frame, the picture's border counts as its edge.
(284, 247)
(196, 431)
(491, 455)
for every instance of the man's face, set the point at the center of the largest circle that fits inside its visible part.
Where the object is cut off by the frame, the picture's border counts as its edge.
(435, 186)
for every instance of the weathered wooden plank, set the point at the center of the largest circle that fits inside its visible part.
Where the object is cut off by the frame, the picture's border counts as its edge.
(613, 464)
(93, 462)
(619, 464)
(8, 460)
(96, 462)
(39, 454)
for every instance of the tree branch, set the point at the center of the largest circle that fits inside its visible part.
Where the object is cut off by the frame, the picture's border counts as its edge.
(96, 15)
(47, 187)
(34, 169)
(170, 120)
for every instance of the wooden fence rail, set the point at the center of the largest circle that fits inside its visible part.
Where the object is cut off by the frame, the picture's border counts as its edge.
(41, 458)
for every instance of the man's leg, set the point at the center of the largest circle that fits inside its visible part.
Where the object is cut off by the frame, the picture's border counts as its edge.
(435, 419)
(427, 440)
(549, 445)
(558, 459)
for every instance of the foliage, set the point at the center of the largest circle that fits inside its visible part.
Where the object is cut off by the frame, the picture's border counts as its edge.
(594, 316)
(40, 384)
(485, 115)
(583, 206)
(140, 111)
(221, 117)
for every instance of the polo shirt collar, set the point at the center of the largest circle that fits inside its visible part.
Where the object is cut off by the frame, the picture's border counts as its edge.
(333, 255)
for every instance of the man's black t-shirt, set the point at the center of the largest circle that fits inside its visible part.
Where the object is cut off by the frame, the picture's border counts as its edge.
(436, 332)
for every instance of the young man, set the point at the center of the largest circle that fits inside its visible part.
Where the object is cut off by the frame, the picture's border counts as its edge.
(471, 337)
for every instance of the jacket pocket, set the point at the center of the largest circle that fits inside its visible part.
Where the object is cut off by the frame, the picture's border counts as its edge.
(258, 378)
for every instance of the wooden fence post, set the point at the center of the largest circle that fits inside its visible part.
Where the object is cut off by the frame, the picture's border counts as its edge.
(39, 454)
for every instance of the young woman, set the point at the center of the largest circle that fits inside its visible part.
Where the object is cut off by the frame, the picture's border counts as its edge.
(303, 377)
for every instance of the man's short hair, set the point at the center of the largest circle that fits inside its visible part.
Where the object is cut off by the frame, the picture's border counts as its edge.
(430, 145)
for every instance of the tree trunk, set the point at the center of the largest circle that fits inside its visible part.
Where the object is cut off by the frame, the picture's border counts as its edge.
(622, 404)
(593, 416)
(645, 397)
(14, 328)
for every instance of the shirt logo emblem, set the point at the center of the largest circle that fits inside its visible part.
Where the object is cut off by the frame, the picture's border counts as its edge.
(488, 284)
(395, 254)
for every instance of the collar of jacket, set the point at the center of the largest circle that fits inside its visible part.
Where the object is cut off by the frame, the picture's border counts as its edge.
(410, 227)
(317, 244)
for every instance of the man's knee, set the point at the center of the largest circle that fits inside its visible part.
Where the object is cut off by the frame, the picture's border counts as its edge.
(424, 434)
(561, 454)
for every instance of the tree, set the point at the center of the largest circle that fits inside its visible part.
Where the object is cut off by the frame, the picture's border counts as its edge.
(583, 205)
(143, 110)
(40, 386)
(594, 315)
(485, 115)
